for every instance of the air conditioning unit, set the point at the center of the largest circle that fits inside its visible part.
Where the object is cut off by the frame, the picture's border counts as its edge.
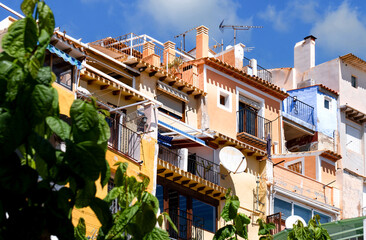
(306, 83)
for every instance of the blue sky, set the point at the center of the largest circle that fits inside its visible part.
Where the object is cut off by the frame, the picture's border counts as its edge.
(339, 25)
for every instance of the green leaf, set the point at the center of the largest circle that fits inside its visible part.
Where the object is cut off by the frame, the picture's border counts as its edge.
(119, 178)
(230, 209)
(59, 127)
(28, 6)
(224, 232)
(105, 175)
(21, 38)
(84, 115)
(85, 195)
(104, 130)
(33, 65)
(15, 78)
(167, 217)
(113, 194)
(124, 219)
(147, 219)
(157, 234)
(80, 230)
(241, 223)
(46, 23)
(41, 102)
(151, 201)
(44, 76)
(101, 209)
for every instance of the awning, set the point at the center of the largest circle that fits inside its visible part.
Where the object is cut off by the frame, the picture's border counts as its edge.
(64, 56)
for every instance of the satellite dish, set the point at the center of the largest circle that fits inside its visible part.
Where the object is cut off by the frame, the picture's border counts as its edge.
(290, 221)
(233, 159)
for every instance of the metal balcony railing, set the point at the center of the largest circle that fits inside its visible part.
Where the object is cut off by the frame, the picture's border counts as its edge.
(204, 168)
(250, 122)
(124, 139)
(189, 226)
(169, 155)
(261, 71)
(276, 219)
(298, 109)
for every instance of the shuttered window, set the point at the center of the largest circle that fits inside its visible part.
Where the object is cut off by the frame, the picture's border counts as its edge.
(171, 105)
(353, 138)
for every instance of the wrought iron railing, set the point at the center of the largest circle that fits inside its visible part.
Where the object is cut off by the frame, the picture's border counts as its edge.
(189, 226)
(204, 168)
(169, 155)
(114, 207)
(123, 139)
(299, 109)
(250, 122)
(261, 71)
(276, 219)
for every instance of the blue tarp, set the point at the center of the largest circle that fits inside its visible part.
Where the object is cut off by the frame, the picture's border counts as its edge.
(64, 56)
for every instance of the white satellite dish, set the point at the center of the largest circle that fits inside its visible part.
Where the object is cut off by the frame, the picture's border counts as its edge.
(233, 159)
(290, 221)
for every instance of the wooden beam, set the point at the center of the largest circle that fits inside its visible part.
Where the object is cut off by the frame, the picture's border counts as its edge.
(213, 145)
(190, 92)
(259, 158)
(116, 92)
(250, 154)
(161, 170)
(222, 198)
(222, 142)
(185, 182)
(192, 185)
(168, 175)
(128, 97)
(90, 82)
(177, 178)
(209, 191)
(133, 64)
(152, 73)
(102, 87)
(67, 50)
(54, 42)
(162, 78)
(201, 188)
(216, 194)
(197, 96)
(172, 83)
(141, 69)
(82, 58)
(180, 88)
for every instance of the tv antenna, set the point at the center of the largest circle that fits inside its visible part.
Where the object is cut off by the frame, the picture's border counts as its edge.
(235, 28)
(217, 45)
(184, 38)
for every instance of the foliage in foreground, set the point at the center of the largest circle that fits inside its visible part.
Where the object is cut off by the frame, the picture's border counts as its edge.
(137, 209)
(239, 221)
(40, 184)
(264, 230)
(314, 231)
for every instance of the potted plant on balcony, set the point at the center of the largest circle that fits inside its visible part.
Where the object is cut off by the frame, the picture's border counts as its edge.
(174, 67)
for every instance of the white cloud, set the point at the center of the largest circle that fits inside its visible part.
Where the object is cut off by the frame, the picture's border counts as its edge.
(282, 19)
(341, 31)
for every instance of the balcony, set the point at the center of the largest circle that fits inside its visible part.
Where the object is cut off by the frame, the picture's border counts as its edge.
(124, 140)
(196, 165)
(296, 183)
(189, 226)
(252, 127)
(298, 110)
(260, 71)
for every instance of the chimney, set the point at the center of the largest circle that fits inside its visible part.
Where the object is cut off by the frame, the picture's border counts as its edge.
(304, 54)
(202, 42)
(169, 52)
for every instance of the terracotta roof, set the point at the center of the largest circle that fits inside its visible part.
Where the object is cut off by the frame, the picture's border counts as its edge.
(324, 153)
(331, 155)
(68, 41)
(355, 61)
(354, 114)
(320, 85)
(256, 81)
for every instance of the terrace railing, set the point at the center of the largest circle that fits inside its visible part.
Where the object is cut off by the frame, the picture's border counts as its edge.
(261, 71)
(204, 168)
(250, 122)
(276, 219)
(123, 139)
(169, 155)
(299, 109)
(189, 226)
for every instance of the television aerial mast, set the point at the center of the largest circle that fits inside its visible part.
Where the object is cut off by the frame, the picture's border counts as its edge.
(184, 38)
(235, 28)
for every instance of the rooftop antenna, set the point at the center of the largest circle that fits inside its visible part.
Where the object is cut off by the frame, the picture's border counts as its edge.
(217, 45)
(184, 38)
(236, 27)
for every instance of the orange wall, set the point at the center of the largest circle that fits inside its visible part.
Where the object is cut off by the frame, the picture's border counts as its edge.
(328, 172)
(224, 121)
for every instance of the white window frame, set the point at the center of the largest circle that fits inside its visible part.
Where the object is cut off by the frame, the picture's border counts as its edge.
(228, 101)
(326, 98)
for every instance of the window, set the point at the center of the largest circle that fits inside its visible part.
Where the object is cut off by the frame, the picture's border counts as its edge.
(205, 212)
(353, 138)
(171, 106)
(296, 167)
(224, 99)
(354, 81)
(326, 103)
